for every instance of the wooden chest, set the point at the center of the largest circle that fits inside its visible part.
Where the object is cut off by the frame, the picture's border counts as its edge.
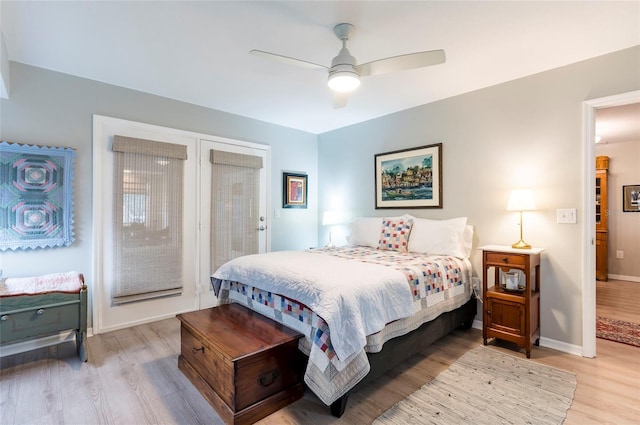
(246, 365)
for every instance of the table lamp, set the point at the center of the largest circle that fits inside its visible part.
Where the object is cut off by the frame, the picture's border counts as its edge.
(521, 200)
(331, 218)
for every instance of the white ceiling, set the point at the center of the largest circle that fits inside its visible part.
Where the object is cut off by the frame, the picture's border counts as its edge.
(197, 52)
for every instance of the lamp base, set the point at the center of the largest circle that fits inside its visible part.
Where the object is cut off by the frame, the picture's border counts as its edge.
(521, 245)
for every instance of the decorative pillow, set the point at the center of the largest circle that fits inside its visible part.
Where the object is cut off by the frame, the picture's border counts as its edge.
(439, 237)
(364, 231)
(394, 235)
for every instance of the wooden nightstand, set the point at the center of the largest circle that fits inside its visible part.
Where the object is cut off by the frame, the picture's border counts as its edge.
(511, 314)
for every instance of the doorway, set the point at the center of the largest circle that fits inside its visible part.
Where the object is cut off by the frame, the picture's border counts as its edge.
(617, 153)
(588, 250)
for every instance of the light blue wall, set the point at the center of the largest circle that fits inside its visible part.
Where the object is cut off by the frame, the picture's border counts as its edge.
(526, 132)
(54, 109)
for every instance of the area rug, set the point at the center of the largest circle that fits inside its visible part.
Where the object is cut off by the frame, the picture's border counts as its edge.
(485, 386)
(618, 331)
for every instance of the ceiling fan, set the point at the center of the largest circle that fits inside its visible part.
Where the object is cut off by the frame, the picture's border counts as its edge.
(344, 72)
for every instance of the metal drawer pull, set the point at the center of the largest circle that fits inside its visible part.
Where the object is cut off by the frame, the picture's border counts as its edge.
(4, 317)
(505, 259)
(195, 350)
(268, 378)
(40, 311)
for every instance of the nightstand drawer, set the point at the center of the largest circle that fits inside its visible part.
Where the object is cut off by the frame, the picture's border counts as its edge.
(504, 259)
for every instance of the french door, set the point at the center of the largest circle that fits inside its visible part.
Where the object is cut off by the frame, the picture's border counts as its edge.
(131, 215)
(224, 207)
(233, 206)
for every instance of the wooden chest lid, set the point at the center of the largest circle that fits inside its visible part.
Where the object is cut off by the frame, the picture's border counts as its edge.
(236, 331)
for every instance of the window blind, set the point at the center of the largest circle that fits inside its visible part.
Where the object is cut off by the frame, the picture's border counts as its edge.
(235, 186)
(148, 209)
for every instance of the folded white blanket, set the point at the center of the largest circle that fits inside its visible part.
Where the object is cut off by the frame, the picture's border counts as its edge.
(57, 282)
(356, 299)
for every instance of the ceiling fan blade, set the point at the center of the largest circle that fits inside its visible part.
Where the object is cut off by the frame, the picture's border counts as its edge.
(288, 60)
(402, 62)
(340, 99)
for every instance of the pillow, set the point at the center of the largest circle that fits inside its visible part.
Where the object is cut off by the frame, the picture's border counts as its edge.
(439, 237)
(467, 240)
(394, 235)
(364, 231)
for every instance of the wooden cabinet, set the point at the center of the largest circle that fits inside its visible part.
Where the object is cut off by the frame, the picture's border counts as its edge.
(602, 212)
(511, 313)
(246, 365)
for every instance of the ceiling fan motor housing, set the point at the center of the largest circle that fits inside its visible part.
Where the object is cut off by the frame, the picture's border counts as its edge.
(344, 62)
(343, 76)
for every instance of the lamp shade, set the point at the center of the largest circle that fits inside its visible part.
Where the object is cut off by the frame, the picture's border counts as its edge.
(521, 200)
(330, 218)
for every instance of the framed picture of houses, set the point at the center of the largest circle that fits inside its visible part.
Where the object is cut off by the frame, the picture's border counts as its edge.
(36, 206)
(409, 178)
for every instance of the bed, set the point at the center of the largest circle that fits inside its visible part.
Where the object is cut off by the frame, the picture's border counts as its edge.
(401, 283)
(39, 306)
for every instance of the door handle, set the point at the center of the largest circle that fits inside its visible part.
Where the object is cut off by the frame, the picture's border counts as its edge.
(262, 228)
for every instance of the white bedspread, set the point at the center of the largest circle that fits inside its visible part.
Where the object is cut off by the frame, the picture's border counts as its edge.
(356, 299)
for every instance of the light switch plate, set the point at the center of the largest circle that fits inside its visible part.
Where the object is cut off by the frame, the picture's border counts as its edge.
(566, 215)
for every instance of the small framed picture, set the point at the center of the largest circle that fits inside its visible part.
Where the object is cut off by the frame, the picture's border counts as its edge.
(631, 198)
(294, 190)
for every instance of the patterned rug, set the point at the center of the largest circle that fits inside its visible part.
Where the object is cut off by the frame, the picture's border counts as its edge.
(618, 331)
(485, 386)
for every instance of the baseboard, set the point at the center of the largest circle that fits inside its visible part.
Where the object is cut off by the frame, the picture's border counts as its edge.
(621, 277)
(149, 319)
(33, 344)
(565, 347)
(547, 342)
(477, 324)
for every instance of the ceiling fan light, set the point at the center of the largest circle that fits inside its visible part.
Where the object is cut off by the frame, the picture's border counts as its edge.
(344, 81)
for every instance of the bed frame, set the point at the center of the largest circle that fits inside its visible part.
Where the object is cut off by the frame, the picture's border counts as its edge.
(32, 316)
(399, 349)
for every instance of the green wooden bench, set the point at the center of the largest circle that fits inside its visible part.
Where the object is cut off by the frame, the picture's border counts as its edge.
(35, 307)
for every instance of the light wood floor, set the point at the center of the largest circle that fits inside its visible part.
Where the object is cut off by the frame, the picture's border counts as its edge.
(618, 299)
(132, 378)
